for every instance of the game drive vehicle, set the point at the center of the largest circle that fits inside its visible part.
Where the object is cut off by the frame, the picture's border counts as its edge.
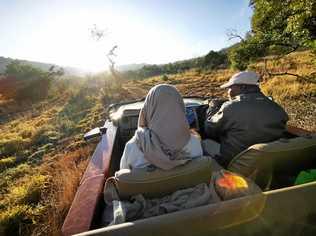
(282, 208)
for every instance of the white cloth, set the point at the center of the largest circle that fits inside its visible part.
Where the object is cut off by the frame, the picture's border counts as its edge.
(133, 157)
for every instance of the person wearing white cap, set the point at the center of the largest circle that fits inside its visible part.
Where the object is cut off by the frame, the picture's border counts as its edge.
(247, 118)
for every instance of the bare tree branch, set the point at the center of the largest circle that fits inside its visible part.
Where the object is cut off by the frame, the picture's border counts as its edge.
(111, 55)
(232, 34)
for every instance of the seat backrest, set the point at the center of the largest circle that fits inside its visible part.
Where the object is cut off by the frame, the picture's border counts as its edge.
(159, 182)
(284, 155)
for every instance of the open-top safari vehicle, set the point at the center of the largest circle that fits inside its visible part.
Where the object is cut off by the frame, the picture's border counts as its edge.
(282, 208)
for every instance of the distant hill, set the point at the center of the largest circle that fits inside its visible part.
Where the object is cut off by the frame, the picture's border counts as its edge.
(212, 60)
(130, 67)
(4, 61)
(141, 70)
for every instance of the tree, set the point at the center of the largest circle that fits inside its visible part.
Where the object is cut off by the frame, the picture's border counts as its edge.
(22, 71)
(288, 24)
(245, 52)
(277, 27)
(214, 59)
(28, 82)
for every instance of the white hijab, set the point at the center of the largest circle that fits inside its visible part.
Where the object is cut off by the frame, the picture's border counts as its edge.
(163, 128)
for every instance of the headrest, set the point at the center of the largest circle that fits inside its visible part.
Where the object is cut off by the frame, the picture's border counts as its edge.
(285, 154)
(158, 183)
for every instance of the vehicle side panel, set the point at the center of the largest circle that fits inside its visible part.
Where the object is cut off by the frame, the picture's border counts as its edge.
(288, 211)
(83, 208)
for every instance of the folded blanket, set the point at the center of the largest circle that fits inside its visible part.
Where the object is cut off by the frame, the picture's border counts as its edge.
(138, 207)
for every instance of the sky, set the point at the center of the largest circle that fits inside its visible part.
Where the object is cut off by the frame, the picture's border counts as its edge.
(145, 31)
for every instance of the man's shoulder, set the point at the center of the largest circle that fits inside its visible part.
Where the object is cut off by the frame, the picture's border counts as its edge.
(241, 101)
(232, 102)
(253, 100)
(250, 97)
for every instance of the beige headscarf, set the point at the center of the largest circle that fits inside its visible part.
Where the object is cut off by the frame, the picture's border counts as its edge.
(163, 129)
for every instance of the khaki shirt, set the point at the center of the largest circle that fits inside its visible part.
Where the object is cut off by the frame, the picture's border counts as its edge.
(243, 121)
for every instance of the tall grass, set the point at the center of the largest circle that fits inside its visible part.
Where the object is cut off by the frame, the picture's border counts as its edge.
(65, 172)
(42, 155)
(42, 158)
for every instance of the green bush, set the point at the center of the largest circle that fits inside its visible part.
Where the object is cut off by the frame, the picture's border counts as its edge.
(277, 28)
(7, 162)
(16, 219)
(13, 145)
(45, 134)
(9, 175)
(66, 126)
(245, 53)
(32, 84)
(11, 219)
(164, 78)
(28, 192)
(27, 132)
(213, 60)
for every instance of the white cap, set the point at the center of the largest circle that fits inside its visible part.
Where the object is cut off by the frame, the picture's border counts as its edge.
(243, 77)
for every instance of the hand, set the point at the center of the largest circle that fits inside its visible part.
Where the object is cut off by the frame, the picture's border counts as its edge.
(217, 102)
(214, 105)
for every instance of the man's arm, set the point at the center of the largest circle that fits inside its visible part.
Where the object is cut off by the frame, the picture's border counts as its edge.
(214, 125)
(214, 106)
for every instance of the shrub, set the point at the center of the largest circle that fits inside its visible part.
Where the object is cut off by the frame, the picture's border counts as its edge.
(7, 162)
(245, 53)
(44, 135)
(17, 219)
(28, 192)
(66, 126)
(11, 218)
(36, 157)
(164, 78)
(213, 60)
(30, 83)
(27, 132)
(13, 145)
(9, 175)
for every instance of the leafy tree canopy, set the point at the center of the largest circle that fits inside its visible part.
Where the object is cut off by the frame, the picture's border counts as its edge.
(277, 27)
(24, 82)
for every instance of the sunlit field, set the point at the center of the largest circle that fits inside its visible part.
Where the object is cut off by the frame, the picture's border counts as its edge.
(43, 154)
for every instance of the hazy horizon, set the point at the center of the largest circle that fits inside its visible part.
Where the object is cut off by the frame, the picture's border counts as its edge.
(152, 32)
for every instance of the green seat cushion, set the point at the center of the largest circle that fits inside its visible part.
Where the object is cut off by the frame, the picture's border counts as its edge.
(305, 177)
(158, 183)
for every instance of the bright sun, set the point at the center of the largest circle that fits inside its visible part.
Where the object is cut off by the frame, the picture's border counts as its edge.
(71, 42)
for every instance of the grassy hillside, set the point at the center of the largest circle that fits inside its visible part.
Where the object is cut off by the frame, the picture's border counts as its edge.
(296, 95)
(42, 154)
(4, 61)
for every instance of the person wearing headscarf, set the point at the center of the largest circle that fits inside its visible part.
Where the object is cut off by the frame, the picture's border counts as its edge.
(249, 117)
(163, 138)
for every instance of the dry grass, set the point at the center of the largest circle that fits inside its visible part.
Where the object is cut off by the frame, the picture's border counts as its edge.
(288, 87)
(21, 205)
(296, 95)
(42, 155)
(42, 159)
(189, 83)
(65, 171)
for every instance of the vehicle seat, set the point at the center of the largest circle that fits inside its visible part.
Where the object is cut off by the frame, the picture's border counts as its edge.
(158, 182)
(288, 156)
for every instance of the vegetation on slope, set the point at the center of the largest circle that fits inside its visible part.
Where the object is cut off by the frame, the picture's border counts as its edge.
(277, 28)
(42, 154)
(38, 136)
